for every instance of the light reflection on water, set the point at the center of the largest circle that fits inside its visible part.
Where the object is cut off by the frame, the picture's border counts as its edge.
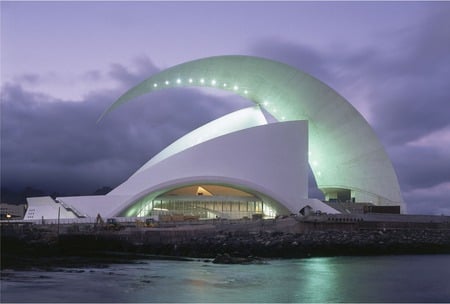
(336, 279)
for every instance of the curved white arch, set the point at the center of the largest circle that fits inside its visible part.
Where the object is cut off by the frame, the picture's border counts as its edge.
(235, 121)
(344, 152)
(244, 159)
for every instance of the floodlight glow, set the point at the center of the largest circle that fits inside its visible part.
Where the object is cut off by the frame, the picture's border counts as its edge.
(224, 85)
(155, 85)
(178, 80)
(167, 82)
(190, 80)
(213, 82)
(202, 80)
(235, 88)
(245, 92)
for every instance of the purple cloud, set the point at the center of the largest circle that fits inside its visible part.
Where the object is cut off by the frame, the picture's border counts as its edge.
(57, 146)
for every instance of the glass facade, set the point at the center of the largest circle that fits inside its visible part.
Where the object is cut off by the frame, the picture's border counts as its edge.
(199, 206)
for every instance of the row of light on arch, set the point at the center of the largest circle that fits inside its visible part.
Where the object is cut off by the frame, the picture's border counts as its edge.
(235, 88)
(214, 83)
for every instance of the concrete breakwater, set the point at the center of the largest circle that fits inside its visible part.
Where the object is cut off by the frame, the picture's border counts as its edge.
(282, 238)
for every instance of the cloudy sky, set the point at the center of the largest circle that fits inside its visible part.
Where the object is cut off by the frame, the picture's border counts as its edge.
(63, 63)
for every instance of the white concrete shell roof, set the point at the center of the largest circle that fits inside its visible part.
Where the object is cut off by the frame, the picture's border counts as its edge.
(270, 160)
(344, 151)
(235, 121)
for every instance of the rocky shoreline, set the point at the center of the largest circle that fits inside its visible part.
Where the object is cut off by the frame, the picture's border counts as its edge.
(317, 243)
(226, 243)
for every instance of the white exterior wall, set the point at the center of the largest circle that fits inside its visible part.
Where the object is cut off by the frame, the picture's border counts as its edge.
(235, 121)
(45, 208)
(270, 159)
(91, 206)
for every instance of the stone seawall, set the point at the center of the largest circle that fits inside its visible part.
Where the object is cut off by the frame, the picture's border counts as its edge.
(282, 238)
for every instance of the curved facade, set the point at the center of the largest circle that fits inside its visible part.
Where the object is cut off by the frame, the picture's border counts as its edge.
(243, 164)
(244, 160)
(345, 155)
(254, 168)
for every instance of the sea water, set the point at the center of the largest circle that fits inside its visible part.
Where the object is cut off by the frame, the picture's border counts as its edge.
(402, 278)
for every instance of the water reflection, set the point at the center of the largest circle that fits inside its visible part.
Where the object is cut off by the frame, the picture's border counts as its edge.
(336, 279)
(321, 281)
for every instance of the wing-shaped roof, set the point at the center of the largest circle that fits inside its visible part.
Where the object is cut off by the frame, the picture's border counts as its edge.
(344, 151)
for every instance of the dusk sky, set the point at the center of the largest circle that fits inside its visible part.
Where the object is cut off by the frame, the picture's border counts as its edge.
(64, 63)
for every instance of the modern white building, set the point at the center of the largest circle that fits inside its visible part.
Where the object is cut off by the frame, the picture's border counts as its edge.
(240, 164)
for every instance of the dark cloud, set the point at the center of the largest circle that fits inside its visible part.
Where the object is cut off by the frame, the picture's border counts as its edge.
(413, 92)
(92, 75)
(421, 167)
(143, 66)
(58, 146)
(300, 56)
(430, 201)
(431, 46)
(29, 78)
